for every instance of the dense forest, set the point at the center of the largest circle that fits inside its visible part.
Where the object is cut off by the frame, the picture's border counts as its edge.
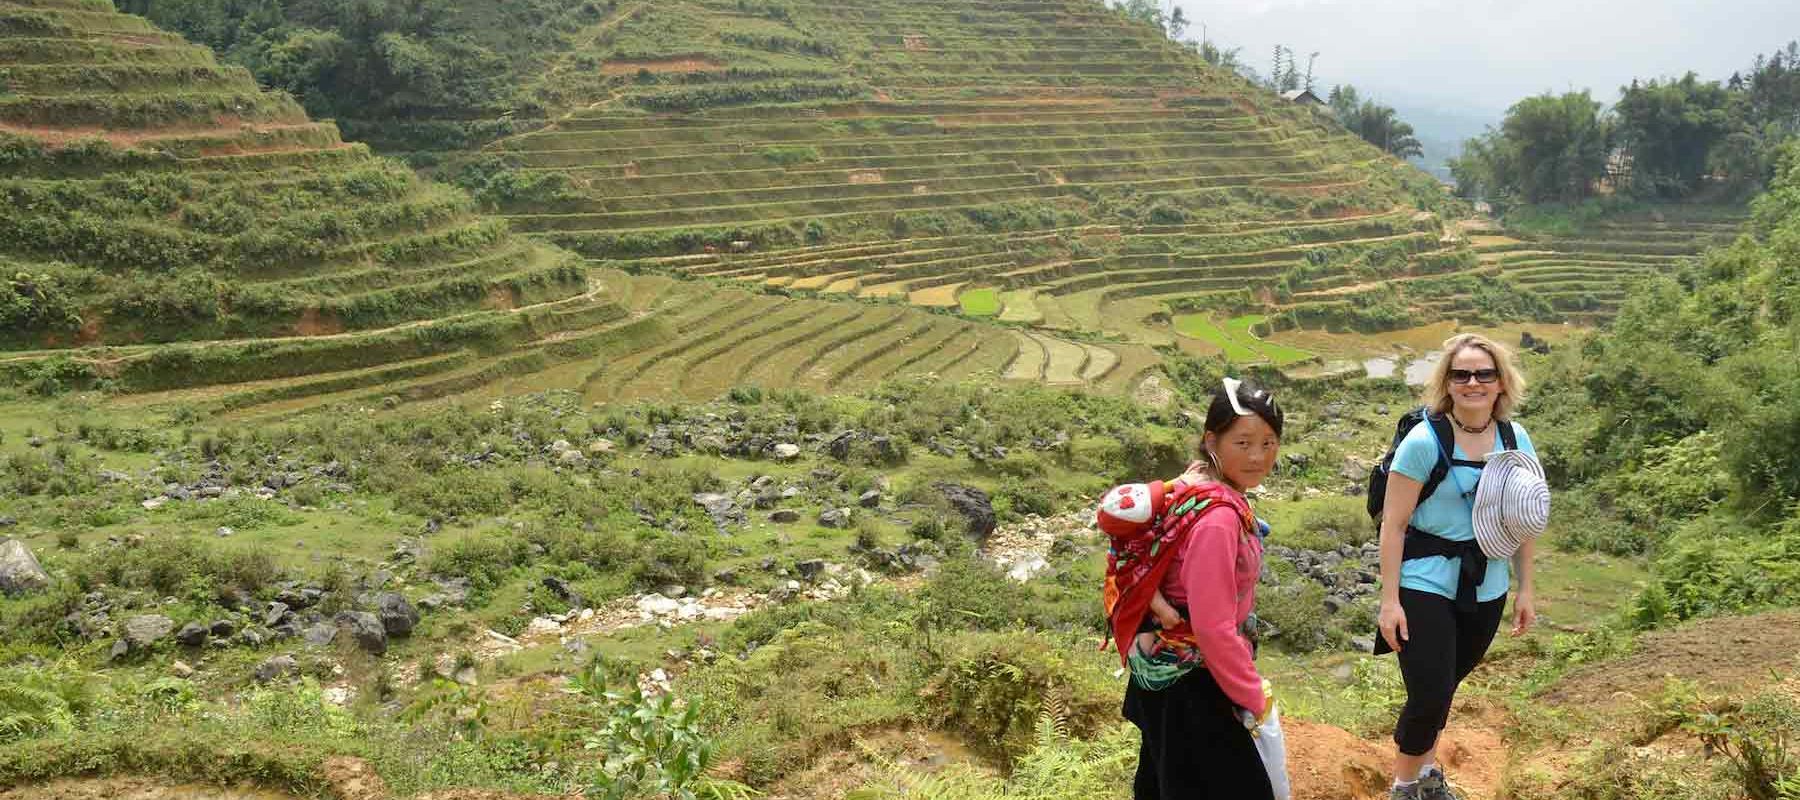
(1664, 139)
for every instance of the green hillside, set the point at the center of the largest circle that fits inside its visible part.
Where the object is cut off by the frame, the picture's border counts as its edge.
(1583, 270)
(183, 236)
(1094, 174)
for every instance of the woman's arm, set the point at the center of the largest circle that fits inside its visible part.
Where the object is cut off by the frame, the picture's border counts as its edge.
(1398, 504)
(1525, 605)
(1209, 572)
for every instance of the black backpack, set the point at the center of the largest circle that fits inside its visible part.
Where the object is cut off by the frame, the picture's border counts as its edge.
(1378, 475)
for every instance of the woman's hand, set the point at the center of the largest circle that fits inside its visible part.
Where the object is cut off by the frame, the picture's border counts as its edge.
(1524, 613)
(1393, 623)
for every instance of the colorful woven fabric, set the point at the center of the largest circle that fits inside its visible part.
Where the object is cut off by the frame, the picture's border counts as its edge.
(1135, 567)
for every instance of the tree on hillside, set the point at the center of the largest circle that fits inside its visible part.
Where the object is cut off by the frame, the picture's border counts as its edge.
(1148, 12)
(375, 58)
(1549, 148)
(1667, 131)
(1377, 124)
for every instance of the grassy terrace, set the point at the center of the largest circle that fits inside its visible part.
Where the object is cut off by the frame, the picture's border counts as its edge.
(193, 240)
(1582, 272)
(1042, 163)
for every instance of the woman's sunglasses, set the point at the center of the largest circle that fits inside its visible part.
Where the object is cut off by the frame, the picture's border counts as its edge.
(1480, 375)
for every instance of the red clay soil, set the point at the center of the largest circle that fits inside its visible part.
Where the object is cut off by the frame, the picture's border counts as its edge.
(1328, 763)
(1722, 654)
(660, 65)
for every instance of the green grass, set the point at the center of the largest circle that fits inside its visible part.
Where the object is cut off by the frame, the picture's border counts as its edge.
(980, 302)
(1241, 328)
(1201, 326)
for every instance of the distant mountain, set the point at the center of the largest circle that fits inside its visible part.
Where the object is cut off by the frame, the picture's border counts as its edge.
(1442, 130)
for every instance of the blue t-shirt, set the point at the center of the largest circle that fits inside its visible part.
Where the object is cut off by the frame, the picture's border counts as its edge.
(1447, 513)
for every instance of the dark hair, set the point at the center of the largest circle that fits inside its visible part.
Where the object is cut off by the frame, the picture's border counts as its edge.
(1256, 400)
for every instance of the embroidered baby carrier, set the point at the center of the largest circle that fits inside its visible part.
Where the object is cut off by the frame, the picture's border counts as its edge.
(1135, 567)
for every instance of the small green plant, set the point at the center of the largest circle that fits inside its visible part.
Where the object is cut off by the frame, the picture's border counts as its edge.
(465, 708)
(649, 746)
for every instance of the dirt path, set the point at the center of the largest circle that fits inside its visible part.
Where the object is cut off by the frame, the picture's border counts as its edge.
(133, 788)
(1726, 654)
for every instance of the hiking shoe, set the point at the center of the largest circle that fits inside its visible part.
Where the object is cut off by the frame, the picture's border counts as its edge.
(1407, 792)
(1433, 786)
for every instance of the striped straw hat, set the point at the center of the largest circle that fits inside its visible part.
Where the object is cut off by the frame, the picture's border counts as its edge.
(1512, 503)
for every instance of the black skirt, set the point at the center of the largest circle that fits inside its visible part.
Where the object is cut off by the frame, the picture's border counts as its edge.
(1194, 748)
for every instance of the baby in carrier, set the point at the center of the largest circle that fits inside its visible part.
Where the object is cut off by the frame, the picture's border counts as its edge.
(1132, 516)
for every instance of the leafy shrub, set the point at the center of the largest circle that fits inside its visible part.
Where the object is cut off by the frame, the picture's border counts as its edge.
(996, 691)
(170, 565)
(1295, 611)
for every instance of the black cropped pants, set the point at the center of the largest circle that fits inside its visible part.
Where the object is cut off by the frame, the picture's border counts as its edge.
(1442, 648)
(1194, 747)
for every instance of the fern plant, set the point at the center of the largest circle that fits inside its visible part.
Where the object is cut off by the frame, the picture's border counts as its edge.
(39, 702)
(1058, 767)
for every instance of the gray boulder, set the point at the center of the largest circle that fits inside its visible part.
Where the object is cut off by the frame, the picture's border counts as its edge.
(277, 667)
(192, 634)
(144, 630)
(869, 499)
(784, 515)
(976, 509)
(319, 634)
(366, 629)
(398, 617)
(20, 572)
(835, 518)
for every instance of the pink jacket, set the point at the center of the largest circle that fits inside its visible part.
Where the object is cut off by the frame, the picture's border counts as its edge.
(1214, 576)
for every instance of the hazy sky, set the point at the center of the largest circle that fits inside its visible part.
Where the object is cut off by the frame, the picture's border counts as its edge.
(1480, 56)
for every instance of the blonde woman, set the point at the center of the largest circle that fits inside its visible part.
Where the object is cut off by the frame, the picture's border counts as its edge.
(1442, 599)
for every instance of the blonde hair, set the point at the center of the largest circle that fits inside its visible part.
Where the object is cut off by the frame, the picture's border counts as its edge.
(1512, 381)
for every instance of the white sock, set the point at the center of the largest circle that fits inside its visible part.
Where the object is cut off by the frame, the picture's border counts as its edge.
(1400, 784)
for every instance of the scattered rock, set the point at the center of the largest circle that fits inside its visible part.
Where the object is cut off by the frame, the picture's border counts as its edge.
(224, 531)
(319, 634)
(835, 518)
(869, 499)
(222, 628)
(276, 613)
(180, 669)
(191, 635)
(784, 515)
(600, 447)
(366, 628)
(398, 617)
(277, 667)
(974, 506)
(723, 510)
(810, 568)
(564, 592)
(657, 605)
(20, 572)
(144, 630)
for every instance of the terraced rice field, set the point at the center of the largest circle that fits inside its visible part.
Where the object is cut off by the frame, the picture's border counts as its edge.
(1584, 275)
(217, 250)
(1046, 162)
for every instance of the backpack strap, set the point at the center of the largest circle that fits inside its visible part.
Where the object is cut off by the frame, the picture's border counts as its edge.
(1509, 438)
(1440, 469)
